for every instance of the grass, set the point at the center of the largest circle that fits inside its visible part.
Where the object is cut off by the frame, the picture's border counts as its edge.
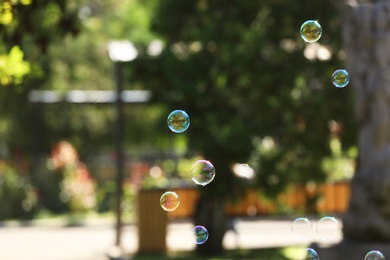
(284, 253)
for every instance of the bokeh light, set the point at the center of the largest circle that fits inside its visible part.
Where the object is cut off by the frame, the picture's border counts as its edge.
(243, 170)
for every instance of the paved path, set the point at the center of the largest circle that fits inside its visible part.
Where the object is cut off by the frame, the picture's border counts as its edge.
(93, 241)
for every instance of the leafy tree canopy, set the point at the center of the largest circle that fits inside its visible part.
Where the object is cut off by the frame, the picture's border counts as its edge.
(251, 87)
(255, 92)
(62, 46)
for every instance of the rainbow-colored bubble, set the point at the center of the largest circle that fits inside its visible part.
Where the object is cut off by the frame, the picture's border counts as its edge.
(311, 31)
(374, 255)
(178, 121)
(311, 254)
(202, 172)
(169, 201)
(340, 78)
(200, 234)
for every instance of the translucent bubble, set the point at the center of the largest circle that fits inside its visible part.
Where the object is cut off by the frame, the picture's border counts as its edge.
(374, 255)
(340, 78)
(178, 121)
(302, 228)
(311, 254)
(202, 172)
(169, 201)
(328, 228)
(200, 234)
(311, 31)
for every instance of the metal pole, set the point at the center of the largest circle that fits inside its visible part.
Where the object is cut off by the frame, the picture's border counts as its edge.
(36, 139)
(119, 152)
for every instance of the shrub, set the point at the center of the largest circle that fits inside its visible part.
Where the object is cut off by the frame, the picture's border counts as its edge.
(17, 196)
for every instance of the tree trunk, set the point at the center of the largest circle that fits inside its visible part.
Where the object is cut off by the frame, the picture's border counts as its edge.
(211, 214)
(366, 36)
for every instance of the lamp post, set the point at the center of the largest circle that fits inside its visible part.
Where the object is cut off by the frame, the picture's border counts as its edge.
(119, 52)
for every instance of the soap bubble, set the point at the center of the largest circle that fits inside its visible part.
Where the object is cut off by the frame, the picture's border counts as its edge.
(340, 78)
(200, 234)
(374, 255)
(178, 121)
(169, 201)
(311, 31)
(301, 227)
(311, 254)
(202, 172)
(328, 228)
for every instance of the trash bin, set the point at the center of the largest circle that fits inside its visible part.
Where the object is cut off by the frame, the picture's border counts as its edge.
(152, 222)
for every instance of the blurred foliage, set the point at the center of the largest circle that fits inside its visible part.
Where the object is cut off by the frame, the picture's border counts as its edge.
(239, 69)
(340, 165)
(60, 61)
(105, 198)
(17, 196)
(47, 182)
(77, 189)
(35, 24)
(65, 183)
(7, 15)
(254, 94)
(26, 37)
(12, 67)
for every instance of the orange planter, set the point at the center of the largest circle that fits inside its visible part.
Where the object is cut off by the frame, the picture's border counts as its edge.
(152, 219)
(333, 199)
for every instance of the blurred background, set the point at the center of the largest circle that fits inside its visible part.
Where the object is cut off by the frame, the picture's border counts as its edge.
(262, 106)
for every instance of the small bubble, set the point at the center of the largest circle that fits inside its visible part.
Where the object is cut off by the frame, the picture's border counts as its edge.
(178, 121)
(302, 228)
(311, 31)
(169, 201)
(328, 228)
(200, 234)
(340, 78)
(311, 254)
(374, 255)
(202, 172)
